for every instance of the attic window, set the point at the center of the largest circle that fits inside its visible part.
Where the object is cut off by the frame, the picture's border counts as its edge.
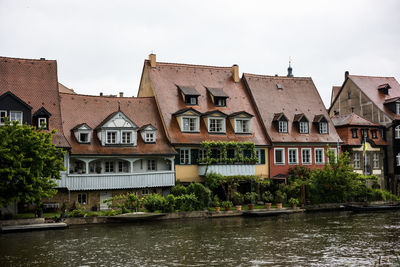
(189, 94)
(279, 86)
(191, 100)
(384, 88)
(397, 108)
(218, 96)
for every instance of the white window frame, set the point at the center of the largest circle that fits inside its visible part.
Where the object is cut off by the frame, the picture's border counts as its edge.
(40, 122)
(322, 156)
(397, 108)
(283, 126)
(80, 138)
(296, 158)
(323, 127)
(302, 156)
(303, 127)
(220, 102)
(149, 137)
(221, 120)
(240, 122)
(3, 114)
(122, 137)
(122, 164)
(109, 167)
(151, 165)
(193, 100)
(186, 156)
(375, 160)
(202, 154)
(116, 137)
(196, 124)
(283, 156)
(357, 160)
(17, 112)
(397, 132)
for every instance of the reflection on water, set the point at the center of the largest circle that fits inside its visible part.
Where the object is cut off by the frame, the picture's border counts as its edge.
(302, 239)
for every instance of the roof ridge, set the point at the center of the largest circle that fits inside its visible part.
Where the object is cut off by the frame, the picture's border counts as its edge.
(190, 65)
(26, 59)
(352, 75)
(276, 77)
(105, 96)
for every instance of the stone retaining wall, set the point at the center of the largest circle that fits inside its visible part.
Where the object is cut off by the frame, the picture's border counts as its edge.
(21, 222)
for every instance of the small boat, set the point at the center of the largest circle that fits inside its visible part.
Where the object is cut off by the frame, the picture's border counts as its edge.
(360, 208)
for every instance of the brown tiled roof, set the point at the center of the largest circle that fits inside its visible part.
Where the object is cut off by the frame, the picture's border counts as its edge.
(63, 89)
(352, 119)
(298, 117)
(92, 110)
(34, 82)
(187, 90)
(369, 85)
(391, 100)
(298, 95)
(163, 79)
(217, 92)
(348, 140)
(145, 126)
(335, 91)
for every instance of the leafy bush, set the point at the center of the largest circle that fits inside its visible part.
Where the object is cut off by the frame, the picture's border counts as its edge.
(153, 202)
(280, 197)
(202, 193)
(268, 197)
(179, 190)
(216, 202)
(237, 198)
(226, 204)
(76, 213)
(293, 201)
(187, 202)
(170, 203)
(250, 197)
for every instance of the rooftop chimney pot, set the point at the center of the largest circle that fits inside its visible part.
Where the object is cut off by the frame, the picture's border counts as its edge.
(235, 73)
(346, 74)
(42, 58)
(121, 94)
(152, 58)
(101, 94)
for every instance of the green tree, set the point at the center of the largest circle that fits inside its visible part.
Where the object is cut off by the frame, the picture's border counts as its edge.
(28, 164)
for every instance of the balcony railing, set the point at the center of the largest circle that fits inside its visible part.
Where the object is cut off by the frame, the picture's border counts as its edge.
(229, 170)
(116, 181)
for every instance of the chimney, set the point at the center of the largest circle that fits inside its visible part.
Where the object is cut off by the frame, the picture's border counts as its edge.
(121, 94)
(346, 74)
(235, 73)
(101, 94)
(152, 58)
(42, 58)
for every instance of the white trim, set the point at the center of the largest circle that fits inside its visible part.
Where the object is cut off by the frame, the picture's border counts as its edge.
(131, 137)
(2, 117)
(19, 112)
(223, 127)
(297, 156)
(188, 150)
(197, 123)
(248, 120)
(301, 129)
(283, 126)
(302, 157)
(323, 156)
(357, 158)
(323, 127)
(116, 137)
(397, 132)
(283, 156)
(40, 123)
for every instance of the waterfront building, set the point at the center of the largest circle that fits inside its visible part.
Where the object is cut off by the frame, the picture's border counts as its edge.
(205, 103)
(362, 139)
(296, 121)
(378, 100)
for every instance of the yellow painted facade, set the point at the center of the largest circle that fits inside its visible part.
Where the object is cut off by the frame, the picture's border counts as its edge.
(187, 173)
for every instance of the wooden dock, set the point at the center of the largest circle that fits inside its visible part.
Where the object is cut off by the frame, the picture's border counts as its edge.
(33, 227)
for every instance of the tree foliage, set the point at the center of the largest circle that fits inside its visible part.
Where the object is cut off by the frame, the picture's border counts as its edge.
(28, 164)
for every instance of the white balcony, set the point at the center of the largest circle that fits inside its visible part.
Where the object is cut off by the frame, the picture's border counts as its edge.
(228, 170)
(116, 181)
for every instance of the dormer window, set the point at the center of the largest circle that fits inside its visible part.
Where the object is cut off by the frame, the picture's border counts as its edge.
(190, 124)
(16, 116)
(111, 137)
(283, 127)
(189, 95)
(397, 108)
(243, 125)
(241, 122)
(82, 133)
(321, 123)
(14, 108)
(117, 129)
(41, 118)
(281, 122)
(42, 122)
(303, 127)
(301, 122)
(384, 88)
(218, 96)
(148, 133)
(216, 125)
(126, 137)
(3, 115)
(323, 127)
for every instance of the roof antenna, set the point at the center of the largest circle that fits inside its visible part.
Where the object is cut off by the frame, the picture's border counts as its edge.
(119, 105)
(290, 74)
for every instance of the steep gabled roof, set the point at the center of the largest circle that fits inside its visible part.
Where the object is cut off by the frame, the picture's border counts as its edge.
(296, 96)
(42, 112)
(79, 109)
(35, 82)
(335, 92)
(164, 78)
(112, 115)
(352, 119)
(218, 92)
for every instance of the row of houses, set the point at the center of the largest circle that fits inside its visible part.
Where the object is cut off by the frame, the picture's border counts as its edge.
(144, 144)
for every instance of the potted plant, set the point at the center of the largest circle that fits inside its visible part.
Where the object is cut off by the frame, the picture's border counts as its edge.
(280, 197)
(293, 202)
(98, 169)
(250, 198)
(216, 204)
(237, 200)
(268, 198)
(227, 205)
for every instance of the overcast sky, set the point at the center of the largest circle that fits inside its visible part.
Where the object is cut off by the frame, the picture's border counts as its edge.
(100, 46)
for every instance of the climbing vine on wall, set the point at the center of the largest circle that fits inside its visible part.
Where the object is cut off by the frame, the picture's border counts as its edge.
(228, 152)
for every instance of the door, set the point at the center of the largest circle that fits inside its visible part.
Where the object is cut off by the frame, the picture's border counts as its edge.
(104, 195)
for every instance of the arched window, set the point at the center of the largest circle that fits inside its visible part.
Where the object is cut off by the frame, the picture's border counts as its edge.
(398, 159)
(397, 132)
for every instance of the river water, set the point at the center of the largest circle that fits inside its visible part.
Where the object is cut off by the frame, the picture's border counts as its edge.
(319, 239)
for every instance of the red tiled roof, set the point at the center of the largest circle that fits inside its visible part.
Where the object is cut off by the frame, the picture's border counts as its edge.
(166, 76)
(298, 95)
(34, 82)
(352, 119)
(369, 86)
(92, 110)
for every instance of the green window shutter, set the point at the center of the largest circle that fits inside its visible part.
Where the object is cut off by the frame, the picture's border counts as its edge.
(262, 155)
(177, 157)
(195, 156)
